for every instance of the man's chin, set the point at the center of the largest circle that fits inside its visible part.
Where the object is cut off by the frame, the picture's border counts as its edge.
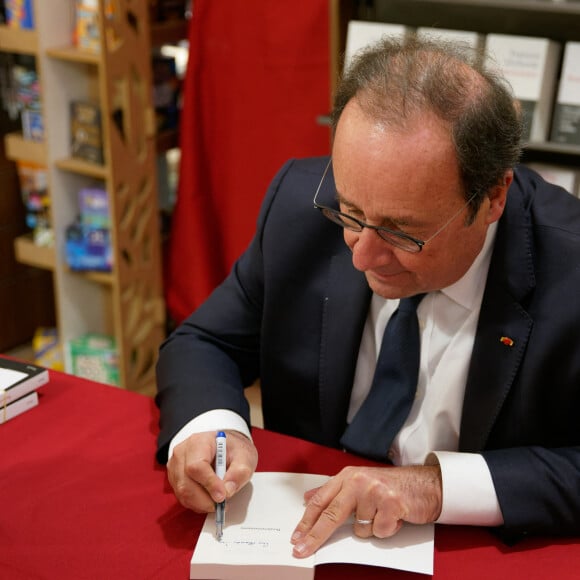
(387, 287)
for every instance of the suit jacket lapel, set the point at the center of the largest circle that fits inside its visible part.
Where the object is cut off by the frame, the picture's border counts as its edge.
(345, 309)
(503, 328)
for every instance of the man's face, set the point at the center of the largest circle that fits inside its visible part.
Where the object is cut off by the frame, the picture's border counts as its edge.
(407, 180)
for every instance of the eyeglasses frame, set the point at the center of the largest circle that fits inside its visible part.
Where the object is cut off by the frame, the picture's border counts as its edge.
(419, 243)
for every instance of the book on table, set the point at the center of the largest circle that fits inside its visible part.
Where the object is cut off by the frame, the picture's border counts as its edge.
(10, 410)
(260, 520)
(19, 378)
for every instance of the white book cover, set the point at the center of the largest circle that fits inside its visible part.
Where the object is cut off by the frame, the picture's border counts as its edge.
(260, 520)
(19, 378)
(530, 65)
(473, 39)
(558, 175)
(361, 34)
(566, 124)
(9, 411)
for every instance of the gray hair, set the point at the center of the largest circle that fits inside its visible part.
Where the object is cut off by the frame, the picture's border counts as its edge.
(396, 80)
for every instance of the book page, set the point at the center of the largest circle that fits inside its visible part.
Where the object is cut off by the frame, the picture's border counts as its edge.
(260, 520)
(410, 549)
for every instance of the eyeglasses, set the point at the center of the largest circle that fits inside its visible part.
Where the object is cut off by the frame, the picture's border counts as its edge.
(395, 238)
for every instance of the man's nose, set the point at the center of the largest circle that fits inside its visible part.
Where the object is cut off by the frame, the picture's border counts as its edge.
(369, 250)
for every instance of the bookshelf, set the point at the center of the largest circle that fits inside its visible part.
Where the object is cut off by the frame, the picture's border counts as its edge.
(126, 303)
(557, 20)
(18, 41)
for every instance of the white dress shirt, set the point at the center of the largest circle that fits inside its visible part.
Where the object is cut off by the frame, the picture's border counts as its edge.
(447, 322)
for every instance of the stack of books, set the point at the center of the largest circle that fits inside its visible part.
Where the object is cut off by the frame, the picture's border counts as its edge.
(19, 382)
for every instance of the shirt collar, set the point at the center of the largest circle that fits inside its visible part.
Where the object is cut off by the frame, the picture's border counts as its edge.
(468, 290)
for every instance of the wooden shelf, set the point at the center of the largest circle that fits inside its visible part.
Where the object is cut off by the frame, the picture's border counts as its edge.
(18, 40)
(31, 254)
(74, 54)
(20, 149)
(83, 167)
(104, 278)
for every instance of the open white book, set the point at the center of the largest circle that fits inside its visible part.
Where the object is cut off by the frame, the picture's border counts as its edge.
(260, 520)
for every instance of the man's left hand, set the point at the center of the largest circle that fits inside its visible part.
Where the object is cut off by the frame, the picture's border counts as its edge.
(381, 499)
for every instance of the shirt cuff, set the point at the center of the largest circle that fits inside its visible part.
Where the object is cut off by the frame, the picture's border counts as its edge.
(469, 496)
(214, 420)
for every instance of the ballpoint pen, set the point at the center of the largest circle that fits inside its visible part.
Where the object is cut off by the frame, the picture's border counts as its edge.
(220, 470)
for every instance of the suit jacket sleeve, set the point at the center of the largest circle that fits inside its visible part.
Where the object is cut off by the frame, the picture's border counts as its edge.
(209, 359)
(522, 400)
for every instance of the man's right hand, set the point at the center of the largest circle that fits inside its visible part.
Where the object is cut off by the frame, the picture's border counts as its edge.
(191, 469)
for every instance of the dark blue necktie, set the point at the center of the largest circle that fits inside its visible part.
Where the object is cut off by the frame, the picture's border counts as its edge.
(392, 392)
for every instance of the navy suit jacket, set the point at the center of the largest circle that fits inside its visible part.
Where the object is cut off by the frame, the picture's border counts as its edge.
(292, 312)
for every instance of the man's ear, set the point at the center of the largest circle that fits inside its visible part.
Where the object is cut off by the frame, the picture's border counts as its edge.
(497, 197)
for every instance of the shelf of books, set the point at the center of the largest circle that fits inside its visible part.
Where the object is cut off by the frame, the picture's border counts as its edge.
(86, 163)
(535, 44)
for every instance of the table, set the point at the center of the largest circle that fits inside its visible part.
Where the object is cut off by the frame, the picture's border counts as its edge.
(83, 498)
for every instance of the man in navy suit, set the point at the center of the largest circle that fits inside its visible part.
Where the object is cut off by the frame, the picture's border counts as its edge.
(423, 196)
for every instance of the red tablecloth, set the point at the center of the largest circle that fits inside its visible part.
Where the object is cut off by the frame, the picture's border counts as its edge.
(83, 498)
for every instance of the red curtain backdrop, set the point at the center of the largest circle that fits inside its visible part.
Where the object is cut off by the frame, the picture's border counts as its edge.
(257, 79)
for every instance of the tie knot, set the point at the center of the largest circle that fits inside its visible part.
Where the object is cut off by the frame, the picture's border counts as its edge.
(410, 304)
